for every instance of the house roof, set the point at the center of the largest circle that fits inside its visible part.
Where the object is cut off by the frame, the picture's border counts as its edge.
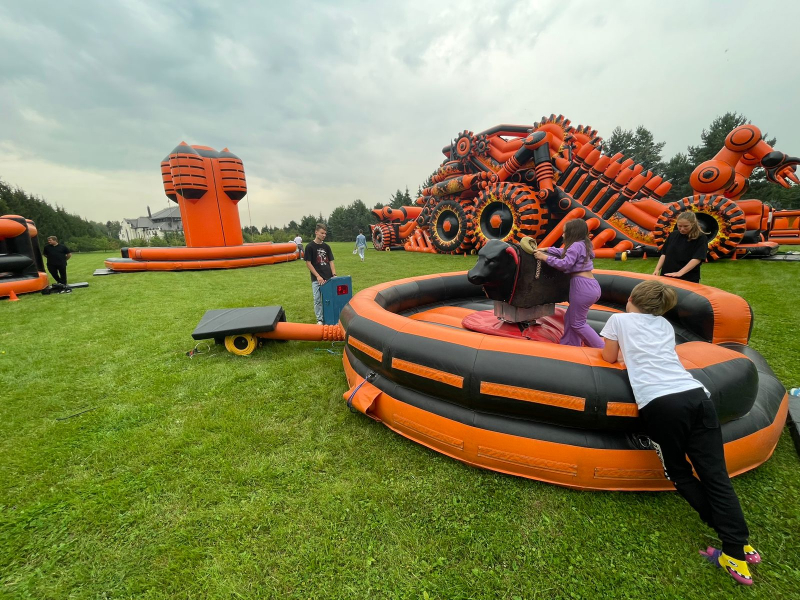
(173, 212)
(140, 223)
(168, 219)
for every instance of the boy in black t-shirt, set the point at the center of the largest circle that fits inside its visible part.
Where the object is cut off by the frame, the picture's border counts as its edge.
(57, 256)
(319, 260)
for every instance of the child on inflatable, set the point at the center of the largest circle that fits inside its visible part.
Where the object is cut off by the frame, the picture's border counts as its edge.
(680, 420)
(576, 259)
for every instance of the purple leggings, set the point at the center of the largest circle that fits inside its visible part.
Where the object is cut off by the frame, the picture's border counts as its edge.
(583, 292)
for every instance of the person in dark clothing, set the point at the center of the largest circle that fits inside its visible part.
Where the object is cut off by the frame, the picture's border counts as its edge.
(319, 260)
(684, 250)
(57, 256)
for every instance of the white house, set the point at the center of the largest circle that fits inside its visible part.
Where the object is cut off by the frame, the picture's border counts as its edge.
(168, 219)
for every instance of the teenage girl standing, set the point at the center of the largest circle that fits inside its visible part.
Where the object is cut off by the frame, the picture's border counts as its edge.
(576, 259)
(684, 250)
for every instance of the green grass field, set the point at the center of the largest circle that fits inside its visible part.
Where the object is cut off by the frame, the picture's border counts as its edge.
(220, 476)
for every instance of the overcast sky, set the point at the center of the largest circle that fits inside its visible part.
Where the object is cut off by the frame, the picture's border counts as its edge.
(327, 102)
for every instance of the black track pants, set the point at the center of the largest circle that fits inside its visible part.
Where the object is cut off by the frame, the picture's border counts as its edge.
(59, 273)
(685, 424)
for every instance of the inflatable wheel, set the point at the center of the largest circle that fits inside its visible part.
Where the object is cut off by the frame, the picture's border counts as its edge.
(452, 227)
(719, 216)
(241, 344)
(383, 236)
(507, 212)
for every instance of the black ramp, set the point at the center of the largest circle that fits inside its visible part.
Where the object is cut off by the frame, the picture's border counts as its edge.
(784, 256)
(222, 322)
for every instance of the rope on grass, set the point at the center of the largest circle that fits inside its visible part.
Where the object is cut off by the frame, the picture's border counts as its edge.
(197, 350)
(331, 350)
(85, 410)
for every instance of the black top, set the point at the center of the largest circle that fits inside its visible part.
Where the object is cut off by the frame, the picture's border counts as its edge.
(679, 250)
(320, 256)
(56, 255)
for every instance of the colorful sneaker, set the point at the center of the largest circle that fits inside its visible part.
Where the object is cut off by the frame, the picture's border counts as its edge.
(737, 569)
(751, 555)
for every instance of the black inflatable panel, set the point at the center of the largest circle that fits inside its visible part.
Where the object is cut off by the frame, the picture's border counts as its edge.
(793, 422)
(219, 323)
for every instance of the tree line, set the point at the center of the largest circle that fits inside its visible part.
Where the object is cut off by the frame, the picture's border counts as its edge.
(640, 145)
(81, 234)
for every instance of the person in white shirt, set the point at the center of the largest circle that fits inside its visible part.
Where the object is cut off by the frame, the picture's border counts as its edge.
(679, 418)
(361, 244)
(299, 241)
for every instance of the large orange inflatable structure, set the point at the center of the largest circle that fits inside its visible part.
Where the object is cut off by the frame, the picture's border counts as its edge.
(512, 181)
(207, 186)
(21, 265)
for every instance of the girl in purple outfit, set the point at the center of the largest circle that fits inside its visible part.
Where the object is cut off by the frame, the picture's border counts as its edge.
(576, 259)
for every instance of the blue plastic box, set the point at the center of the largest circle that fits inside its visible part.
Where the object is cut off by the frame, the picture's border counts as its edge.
(336, 293)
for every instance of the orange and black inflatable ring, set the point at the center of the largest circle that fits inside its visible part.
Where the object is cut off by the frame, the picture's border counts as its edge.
(452, 227)
(508, 212)
(727, 221)
(558, 414)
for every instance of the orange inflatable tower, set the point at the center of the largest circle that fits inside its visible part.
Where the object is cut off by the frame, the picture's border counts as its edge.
(207, 185)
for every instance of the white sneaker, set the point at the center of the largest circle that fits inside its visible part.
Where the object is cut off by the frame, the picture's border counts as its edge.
(319, 323)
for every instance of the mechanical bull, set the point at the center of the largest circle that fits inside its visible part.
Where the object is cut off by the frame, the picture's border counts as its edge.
(523, 288)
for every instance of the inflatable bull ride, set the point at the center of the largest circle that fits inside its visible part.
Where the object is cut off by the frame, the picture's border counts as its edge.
(469, 365)
(512, 181)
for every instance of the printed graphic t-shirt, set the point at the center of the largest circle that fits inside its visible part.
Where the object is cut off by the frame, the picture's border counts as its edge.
(320, 256)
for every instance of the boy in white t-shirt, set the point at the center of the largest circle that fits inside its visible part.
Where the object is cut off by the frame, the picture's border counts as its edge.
(680, 420)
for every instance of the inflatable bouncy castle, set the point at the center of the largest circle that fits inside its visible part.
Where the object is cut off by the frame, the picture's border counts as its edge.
(513, 181)
(21, 265)
(207, 186)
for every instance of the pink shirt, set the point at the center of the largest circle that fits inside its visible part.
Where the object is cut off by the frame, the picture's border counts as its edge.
(575, 260)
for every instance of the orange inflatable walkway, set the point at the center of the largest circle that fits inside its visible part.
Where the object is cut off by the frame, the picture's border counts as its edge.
(185, 259)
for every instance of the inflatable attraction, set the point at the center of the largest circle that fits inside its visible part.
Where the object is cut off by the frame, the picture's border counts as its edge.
(21, 265)
(512, 181)
(785, 227)
(430, 359)
(207, 185)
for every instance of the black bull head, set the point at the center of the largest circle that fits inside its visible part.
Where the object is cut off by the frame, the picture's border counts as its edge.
(511, 275)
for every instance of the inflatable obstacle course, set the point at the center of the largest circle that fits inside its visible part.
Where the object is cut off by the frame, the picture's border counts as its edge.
(512, 181)
(21, 265)
(207, 185)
